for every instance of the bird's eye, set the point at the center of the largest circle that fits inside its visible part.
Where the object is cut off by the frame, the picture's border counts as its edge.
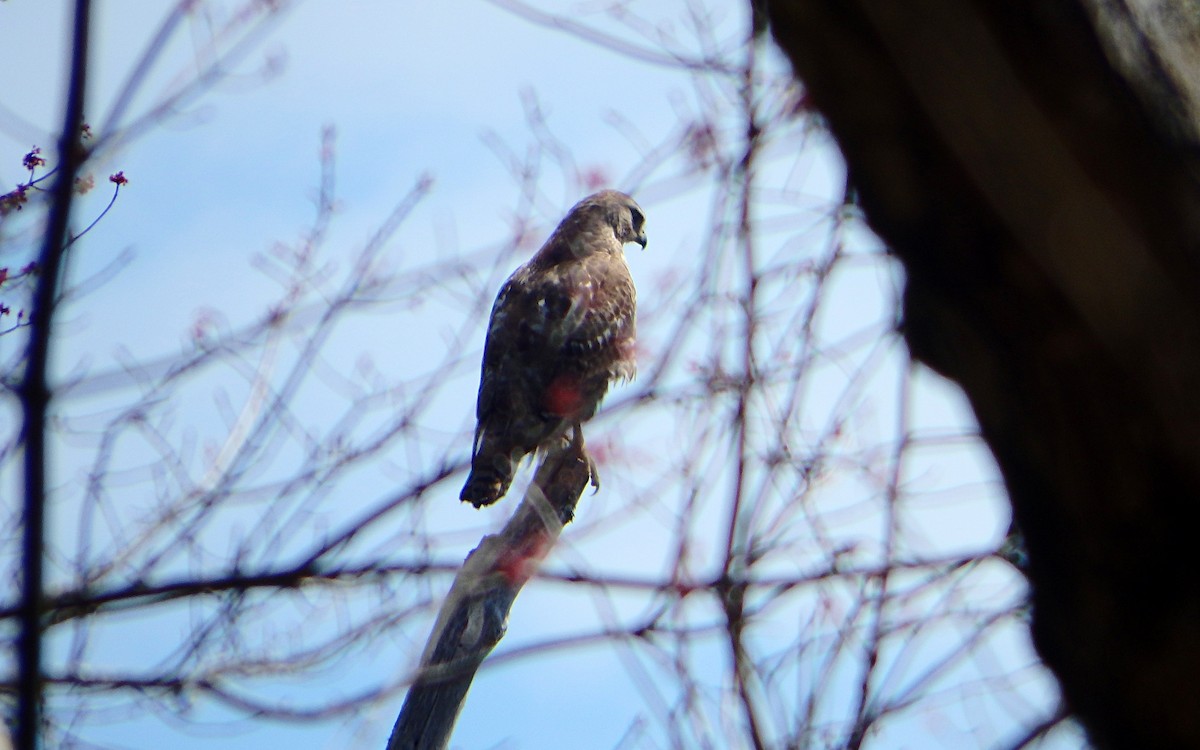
(638, 219)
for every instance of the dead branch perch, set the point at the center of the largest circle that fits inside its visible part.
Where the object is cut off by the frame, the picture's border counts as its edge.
(472, 619)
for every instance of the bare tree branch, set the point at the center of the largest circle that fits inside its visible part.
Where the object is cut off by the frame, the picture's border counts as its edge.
(34, 390)
(276, 490)
(472, 618)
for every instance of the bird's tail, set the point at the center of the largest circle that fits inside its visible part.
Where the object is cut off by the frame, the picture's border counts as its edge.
(490, 477)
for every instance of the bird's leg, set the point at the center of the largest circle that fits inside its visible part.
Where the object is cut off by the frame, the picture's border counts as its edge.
(577, 446)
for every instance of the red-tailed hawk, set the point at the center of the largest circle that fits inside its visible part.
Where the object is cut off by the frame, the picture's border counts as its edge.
(562, 330)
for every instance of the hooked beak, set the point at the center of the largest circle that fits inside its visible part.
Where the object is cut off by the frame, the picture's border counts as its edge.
(641, 239)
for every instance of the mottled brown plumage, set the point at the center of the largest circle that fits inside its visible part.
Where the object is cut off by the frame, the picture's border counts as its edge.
(562, 330)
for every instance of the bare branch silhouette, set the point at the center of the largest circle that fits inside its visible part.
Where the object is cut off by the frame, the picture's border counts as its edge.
(799, 544)
(34, 391)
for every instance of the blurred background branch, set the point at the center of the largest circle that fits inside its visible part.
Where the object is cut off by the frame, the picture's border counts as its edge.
(262, 404)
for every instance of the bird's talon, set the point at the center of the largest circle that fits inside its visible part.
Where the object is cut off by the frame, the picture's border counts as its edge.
(593, 474)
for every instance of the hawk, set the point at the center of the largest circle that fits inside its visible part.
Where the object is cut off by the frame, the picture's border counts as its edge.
(562, 330)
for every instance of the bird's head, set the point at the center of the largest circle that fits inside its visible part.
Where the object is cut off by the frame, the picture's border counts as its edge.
(627, 218)
(616, 210)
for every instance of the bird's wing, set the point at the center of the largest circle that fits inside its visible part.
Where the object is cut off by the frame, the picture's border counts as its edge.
(601, 324)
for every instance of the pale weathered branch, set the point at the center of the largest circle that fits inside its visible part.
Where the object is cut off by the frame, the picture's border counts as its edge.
(472, 619)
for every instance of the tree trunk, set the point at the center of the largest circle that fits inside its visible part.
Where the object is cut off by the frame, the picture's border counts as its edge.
(1033, 164)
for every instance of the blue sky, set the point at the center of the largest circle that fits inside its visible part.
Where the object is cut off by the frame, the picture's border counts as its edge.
(431, 88)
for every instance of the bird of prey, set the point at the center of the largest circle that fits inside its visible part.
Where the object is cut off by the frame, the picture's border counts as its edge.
(562, 330)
